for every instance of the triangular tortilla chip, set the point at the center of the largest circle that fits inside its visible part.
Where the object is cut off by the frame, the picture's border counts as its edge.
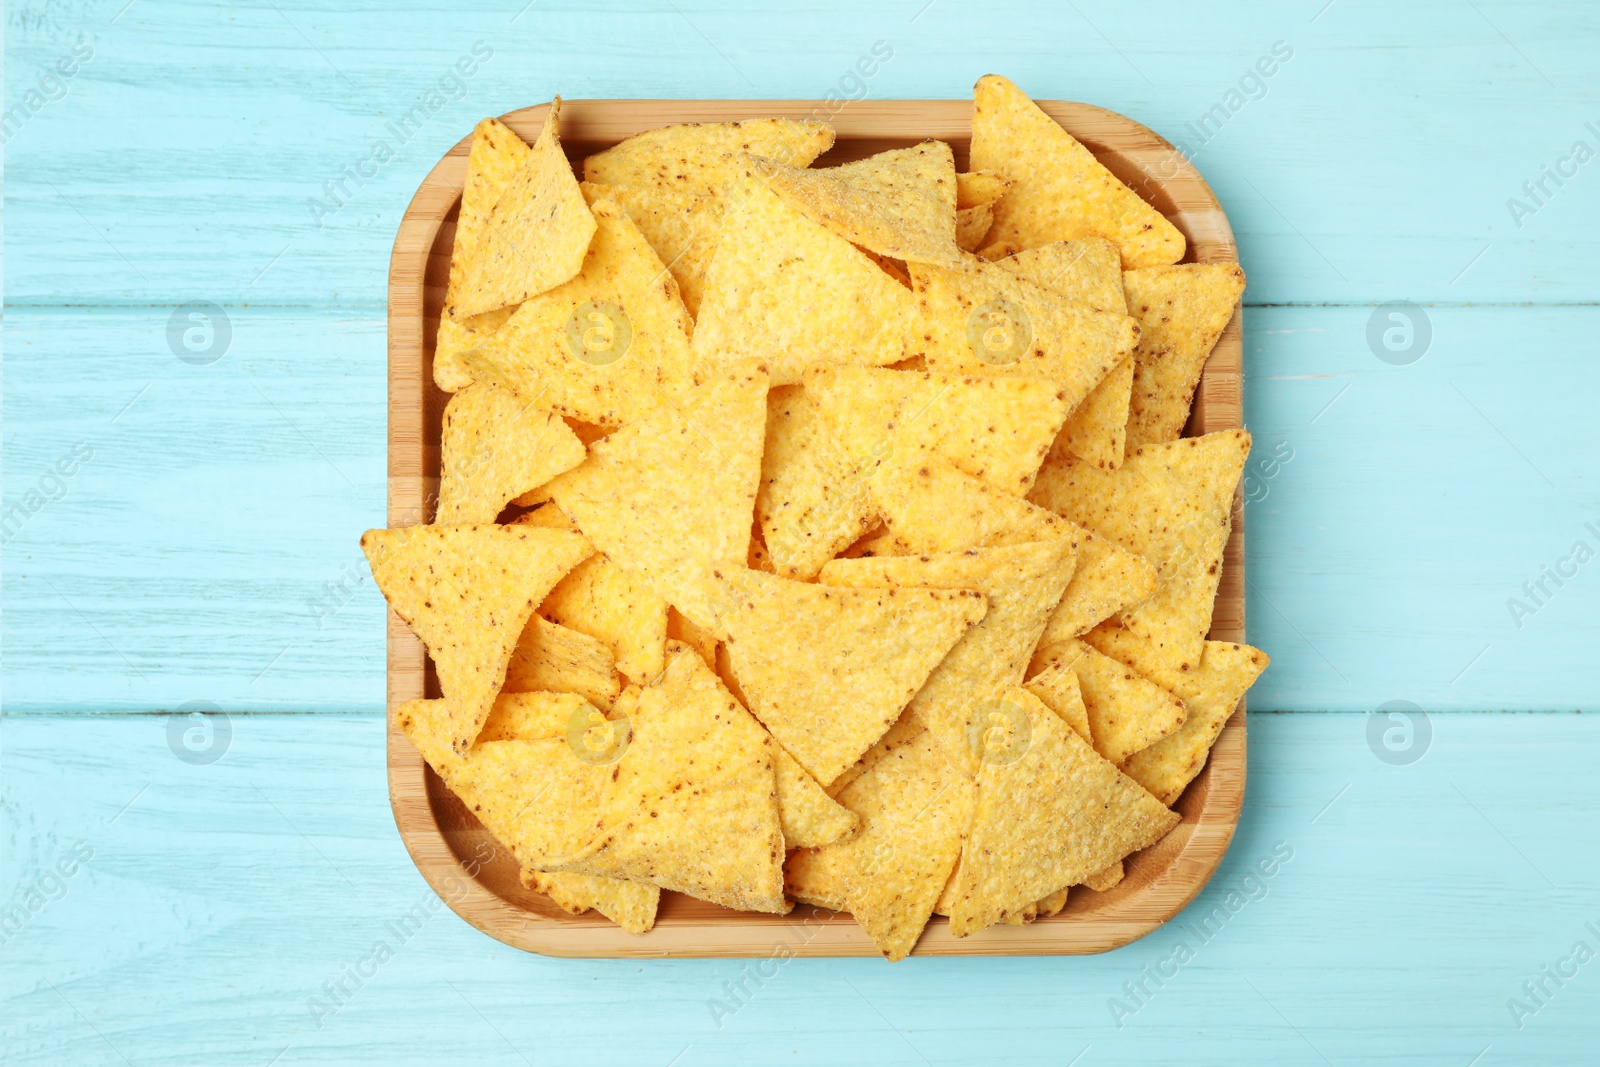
(552, 658)
(1087, 271)
(810, 817)
(866, 653)
(1061, 693)
(692, 805)
(1049, 818)
(1210, 693)
(784, 289)
(496, 446)
(997, 429)
(631, 905)
(605, 347)
(1051, 905)
(704, 642)
(1172, 504)
(813, 500)
(536, 797)
(1108, 579)
(914, 806)
(467, 591)
(533, 716)
(1059, 190)
(1127, 712)
(672, 496)
(1182, 311)
(701, 158)
(900, 203)
(1103, 881)
(496, 155)
(1022, 583)
(534, 237)
(987, 320)
(979, 187)
(607, 602)
(682, 229)
(972, 226)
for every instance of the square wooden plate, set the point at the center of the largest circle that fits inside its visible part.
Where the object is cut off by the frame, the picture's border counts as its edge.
(477, 877)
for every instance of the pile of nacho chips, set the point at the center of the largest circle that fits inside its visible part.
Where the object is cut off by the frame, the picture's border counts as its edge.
(821, 534)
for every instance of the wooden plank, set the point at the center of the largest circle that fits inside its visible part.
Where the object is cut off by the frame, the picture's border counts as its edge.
(222, 898)
(213, 136)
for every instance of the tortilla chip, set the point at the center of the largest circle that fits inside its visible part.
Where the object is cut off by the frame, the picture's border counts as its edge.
(534, 236)
(997, 429)
(701, 158)
(1086, 271)
(467, 591)
(1106, 880)
(914, 806)
(813, 501)
(552, 658)
(631, 905)
(1022, 583)
(1059, 190)
(671, 497)
(930, 506)
(1182, 311)
(682, 230)
(979, 188)
(785, 290)
(972, 226)
(496, 446)
(866, 653)
(900, 203)
(988, 320)
(1127, 711)
(1050, 818)
(810, 817)
(1108, 579)
(1050, 906)
(536, 797)
(533, 716)
(496, 156)
(1061, 693)
(609, 603)
(1210, 693)
(606, 347)
(702, 641)
(1172, 504)
(692, 805)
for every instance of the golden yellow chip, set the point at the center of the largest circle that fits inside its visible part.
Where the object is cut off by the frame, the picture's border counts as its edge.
(539, 798)
(865, 652)
(1061, 693)
(607, 346)
(1210, 692)
(534, 236)
(1108, 879)
(810, 817)
(1050, 906)
(672, 496)
(702, 641)
(682, 229)
(1109, 579)
(972, 226)
(1182, 311)
(607, 602)
(1172, 504)
(1050, 812)
(813, 500)
(533, 716)
(552, 658)
(496, 155)
(701, 158)
(631, 905)
(930, 506)
(988, 320)
(914, 806)
(496, 446)
(997, 429)
(783, 289)
(1022, 583)
(692, 803)
(1127, 711)
(979, 188)
(900, 203)
(1058, 189)
(467, 591)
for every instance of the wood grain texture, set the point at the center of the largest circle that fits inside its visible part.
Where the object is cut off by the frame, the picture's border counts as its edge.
(222, 898)
(438, 830)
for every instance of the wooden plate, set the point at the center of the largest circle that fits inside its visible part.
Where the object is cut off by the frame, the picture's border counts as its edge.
(478, 878)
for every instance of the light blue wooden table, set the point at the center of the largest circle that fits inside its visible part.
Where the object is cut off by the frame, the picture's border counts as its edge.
(182, 530)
